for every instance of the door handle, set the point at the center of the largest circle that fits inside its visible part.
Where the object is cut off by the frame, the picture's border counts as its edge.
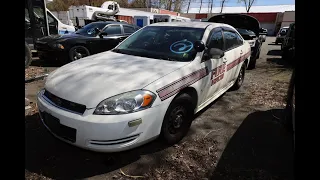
(241, 52)
(225, 60)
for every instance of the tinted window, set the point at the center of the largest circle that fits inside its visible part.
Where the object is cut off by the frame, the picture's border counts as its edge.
(230, 39)
(113, 29)
(216, 40)
(128, 29)
(90, 29)
(240, 41)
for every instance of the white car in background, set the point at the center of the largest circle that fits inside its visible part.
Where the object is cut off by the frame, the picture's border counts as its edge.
(151, 84)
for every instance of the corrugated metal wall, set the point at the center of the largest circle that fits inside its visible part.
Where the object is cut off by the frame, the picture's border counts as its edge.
(129, 19)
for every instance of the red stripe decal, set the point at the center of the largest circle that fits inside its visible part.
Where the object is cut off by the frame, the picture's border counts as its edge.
(174, 87)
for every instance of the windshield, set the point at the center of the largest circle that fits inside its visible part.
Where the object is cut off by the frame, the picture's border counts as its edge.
(245, 31)
(90, 29)
(162, 42)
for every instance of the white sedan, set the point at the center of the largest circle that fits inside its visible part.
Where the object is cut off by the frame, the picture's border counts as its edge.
(150, 85)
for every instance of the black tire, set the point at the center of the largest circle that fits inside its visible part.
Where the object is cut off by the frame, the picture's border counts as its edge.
(240, 78)
(27, 56)
(78, 52)
(252, 63)
(178, 119)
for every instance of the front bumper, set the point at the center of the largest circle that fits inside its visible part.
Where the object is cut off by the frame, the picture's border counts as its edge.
(103, 133)
(47, 52)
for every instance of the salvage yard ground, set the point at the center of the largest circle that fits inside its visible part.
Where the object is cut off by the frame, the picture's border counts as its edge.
(237, 137)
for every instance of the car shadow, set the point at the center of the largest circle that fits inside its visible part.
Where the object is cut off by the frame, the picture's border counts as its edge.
(261, 148)
(48, 156)
(279, 61)
(274, 52)
(45, 63)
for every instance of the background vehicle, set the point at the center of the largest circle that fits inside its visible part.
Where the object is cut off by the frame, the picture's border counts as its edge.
(264, 35)
(93, 38)
(288, 45)
(88, 14)
(246, 25)
(281, 34)
(40, 22)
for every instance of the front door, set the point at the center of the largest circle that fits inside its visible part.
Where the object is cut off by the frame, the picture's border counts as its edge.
(113, 38)
(216, 67)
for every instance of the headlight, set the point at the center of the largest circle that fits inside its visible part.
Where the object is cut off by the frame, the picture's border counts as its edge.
(59, 46)
(125, 103)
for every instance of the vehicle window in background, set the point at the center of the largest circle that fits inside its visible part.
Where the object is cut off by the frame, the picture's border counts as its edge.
(128, 29)
(216, 41)
(230, 39)
(162, 42)
(113, 29)
(90, 29)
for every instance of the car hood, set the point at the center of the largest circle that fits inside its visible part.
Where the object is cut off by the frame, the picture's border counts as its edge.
(238, 21)
(58, 37)
(90, 80)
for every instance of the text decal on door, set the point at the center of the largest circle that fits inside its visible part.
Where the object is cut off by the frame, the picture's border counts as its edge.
(218, 74)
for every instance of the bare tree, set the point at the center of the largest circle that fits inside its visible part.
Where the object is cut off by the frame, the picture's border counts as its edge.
(222, 5)
(211, 7)
(188, 6)
(200, 6)
(247, 3)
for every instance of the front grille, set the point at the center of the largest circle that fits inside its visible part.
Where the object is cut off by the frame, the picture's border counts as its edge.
(60, 130)
(114, 142)
(64, 104)
(42, 47)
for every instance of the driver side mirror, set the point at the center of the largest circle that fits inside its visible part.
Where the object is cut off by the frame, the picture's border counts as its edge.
(199, 46)
(216, 53)
(103, 34)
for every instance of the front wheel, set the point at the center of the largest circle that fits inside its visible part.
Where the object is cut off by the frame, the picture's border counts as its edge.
(178, 119)
(78, 52)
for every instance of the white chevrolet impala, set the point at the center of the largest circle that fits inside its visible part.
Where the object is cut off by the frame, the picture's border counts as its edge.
(150, 85)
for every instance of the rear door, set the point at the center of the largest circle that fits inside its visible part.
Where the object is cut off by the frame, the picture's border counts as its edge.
(233, 52)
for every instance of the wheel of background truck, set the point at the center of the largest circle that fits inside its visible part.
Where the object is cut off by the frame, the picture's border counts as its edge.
(178, 119)
(240, 78)
(252, 63)
(27, 56)
(78, 52)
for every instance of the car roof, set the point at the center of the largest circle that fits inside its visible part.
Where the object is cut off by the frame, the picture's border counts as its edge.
(193, 24)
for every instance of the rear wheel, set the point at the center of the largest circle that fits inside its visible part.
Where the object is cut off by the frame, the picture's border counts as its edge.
(240, 78)
(78, 52)
(178, 119)
(27, 55)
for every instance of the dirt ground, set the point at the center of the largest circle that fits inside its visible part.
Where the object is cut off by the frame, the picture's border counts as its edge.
(237, 137)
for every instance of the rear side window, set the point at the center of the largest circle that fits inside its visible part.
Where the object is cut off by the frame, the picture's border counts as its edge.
(128, 29)
(230, 39)
(216, 40)
(113, 29)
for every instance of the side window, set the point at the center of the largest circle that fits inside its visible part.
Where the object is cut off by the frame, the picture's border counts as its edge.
(113, 29)
(231, 40)
(51, 20)
(128, 29)
(216, 40)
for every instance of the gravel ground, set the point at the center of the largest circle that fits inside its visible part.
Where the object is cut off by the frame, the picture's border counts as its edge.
(237, 137)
